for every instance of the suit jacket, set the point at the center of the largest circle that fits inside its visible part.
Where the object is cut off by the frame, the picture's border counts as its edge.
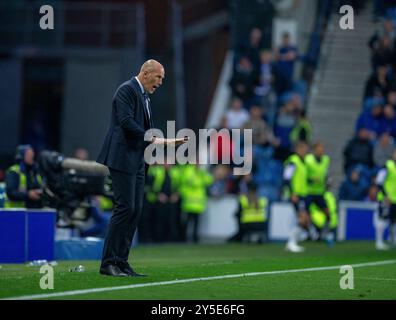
(123, 147)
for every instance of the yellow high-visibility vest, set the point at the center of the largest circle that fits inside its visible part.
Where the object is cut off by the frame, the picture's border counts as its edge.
(318, 217)
(298, 183)
(250, 213)
(317, 171)
(193, 184)
(22, 187)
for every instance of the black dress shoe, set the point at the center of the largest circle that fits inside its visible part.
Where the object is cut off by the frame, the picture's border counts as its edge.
(112, 270)
(130, 272)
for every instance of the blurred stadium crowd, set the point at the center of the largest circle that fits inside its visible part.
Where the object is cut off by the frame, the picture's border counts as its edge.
(375, 129)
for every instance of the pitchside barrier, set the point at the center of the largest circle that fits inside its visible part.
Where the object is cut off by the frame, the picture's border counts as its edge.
(355, 220)
(26, 235)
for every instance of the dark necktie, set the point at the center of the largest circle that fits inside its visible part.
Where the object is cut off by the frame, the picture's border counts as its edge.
(147, 110)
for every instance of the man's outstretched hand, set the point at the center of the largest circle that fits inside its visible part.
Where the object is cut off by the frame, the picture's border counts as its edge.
(164, 141)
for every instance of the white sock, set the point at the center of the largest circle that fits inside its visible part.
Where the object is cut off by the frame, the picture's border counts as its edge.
(313, 232)
(295, 235)
(380, 227)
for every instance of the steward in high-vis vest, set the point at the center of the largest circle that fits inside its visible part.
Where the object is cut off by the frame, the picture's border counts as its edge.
(295, 177)
(253, 214)
(302, 131)
(386, 182)
(23, 182)
(193, 191)
(161, 219)
(155, 178)
(317, 164)
(153, 182)
(167, 224)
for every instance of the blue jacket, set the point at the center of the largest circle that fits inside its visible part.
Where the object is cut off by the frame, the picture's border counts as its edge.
(367, 121)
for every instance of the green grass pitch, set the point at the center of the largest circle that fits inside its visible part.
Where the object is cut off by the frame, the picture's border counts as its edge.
(170, 262)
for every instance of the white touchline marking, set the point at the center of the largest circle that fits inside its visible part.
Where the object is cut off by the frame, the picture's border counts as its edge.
(162, 283)
(376, 279)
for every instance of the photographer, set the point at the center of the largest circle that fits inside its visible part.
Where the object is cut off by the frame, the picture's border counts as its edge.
(23, 182)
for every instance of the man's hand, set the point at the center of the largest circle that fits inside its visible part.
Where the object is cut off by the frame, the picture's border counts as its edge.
(164, 141)
(34, 194)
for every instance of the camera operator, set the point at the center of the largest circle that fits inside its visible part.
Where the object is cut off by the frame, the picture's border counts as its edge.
(23, 182)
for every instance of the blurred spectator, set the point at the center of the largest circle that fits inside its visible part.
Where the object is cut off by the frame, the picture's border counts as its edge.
(387, 30)
(297, 103)
(236, 115)
(383, 150)
(302, 130)
(221, 183)
(353, 188)
(263, 90)
(252, 49)
(378, 82)
(244, 78)
(391, 98)
(284, 125)
(222, 146)
(262, 133)
(23, 182)
(383, 54)
(372, 194)
(287, 55)
(371, 120)
(81, 154)
(388, 121)
(359, 150)
(370, 102)
(243, 183)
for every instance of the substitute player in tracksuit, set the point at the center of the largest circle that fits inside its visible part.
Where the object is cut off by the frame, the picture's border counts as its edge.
(325, 222)
(295, 177)
(318, 164)
(386, 182)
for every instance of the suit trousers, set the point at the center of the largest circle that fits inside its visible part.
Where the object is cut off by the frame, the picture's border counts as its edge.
(128, 203)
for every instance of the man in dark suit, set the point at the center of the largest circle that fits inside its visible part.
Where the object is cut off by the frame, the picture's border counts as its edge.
(123, 154)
